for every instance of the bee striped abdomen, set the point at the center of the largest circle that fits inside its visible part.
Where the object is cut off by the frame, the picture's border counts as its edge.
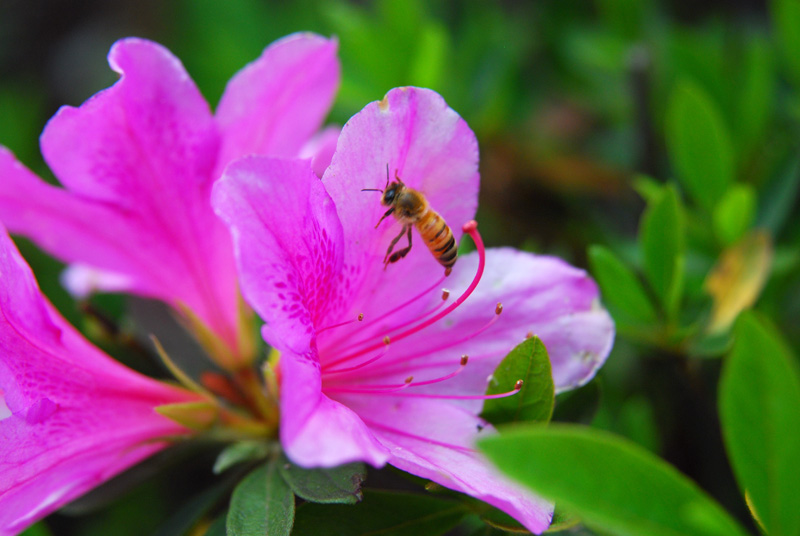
(438, 237)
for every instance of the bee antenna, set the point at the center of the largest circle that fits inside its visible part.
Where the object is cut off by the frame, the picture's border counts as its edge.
(387, 176)
(371, 190)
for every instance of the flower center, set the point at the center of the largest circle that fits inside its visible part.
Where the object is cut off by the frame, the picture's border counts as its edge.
(366, 357)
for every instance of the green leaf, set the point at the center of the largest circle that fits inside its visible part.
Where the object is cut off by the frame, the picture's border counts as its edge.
(217, 528)
(759, 404)
(734, 214)
(428, 64)
(699, 144)
(756, 95)
(623, 293)
(609, 482)
(661, 240)
(189, 513)
(381, 513)
(261, 504)
(786, 21)
(240, 452)
(530, 363)
(39, 529)
(325, 485)
(777, 198)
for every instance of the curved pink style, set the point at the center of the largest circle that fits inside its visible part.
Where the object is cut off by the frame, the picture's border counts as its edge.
(70, 416)
(311, 261)
(138, 160)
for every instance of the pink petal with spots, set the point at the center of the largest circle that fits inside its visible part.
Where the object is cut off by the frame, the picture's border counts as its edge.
(288, 242)
(74, 418)
(136, 161)
(275, 104)
(436, 440)
(413, 132)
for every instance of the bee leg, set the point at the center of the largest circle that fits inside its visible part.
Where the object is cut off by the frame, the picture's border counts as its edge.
(388, 212)
(397, 255)
(391, 246)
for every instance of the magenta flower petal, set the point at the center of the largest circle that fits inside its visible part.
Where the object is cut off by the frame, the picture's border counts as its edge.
(435, 440)
(138, 161)
(413, 131)
(288, 242)
(315, 430)
(541, 296)
(73, 417)
(275, 104)
(320, 149)
(289, 245)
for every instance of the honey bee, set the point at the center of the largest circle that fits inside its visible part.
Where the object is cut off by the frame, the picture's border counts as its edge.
(411, 208)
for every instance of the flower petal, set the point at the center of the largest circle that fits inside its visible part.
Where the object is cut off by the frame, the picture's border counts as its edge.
(318, 431)
(541, 295)
(435, 440)
(288, 242)
(275, 104)
(320, 149)
(73, 417)
(137, 161)
(414, 132)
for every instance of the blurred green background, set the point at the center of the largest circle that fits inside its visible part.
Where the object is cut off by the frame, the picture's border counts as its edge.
(654, 143)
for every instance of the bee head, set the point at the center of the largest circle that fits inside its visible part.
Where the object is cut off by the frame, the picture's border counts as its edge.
(390, 193)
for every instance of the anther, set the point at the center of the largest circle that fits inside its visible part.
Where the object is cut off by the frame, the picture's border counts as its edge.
(529, 335)
(358, 319)
(464, 359)
(386, 340)
(518, 385)
(445, 294)
(409, 380)
(498, 308)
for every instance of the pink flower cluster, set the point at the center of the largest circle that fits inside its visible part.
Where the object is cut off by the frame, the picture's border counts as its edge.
(163, 199)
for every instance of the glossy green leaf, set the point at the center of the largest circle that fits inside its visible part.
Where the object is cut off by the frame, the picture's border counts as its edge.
(662, 243)
(261, 504)
(325, 485)
(381, 513)
(759, 404)
(734, 214)
(622, 291)
(530, 363)
(699, 144)
(609, 482)
(240, 452)
(785, 22)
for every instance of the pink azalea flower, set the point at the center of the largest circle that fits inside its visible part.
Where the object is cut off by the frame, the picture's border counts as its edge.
(138, 160)
(70, 416)
(311, 261)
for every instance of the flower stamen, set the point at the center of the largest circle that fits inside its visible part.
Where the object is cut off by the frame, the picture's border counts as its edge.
(470, 228)
(382, 353)
(360, 318)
